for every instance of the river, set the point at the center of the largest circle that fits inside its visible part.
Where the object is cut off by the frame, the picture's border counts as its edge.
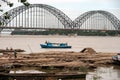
(105, 73)
(32, 43)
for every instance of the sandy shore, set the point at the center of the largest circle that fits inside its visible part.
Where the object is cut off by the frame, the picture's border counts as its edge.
(70, 60)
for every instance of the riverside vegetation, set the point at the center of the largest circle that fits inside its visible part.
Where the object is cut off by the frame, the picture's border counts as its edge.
(68, 32)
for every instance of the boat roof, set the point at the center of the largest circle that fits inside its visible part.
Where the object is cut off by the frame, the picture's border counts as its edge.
(56, 43)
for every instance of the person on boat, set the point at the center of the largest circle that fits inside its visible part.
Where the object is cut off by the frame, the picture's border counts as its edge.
(66, 43)
(46, 42)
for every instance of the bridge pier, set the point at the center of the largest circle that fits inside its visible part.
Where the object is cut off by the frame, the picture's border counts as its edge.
(0, 30)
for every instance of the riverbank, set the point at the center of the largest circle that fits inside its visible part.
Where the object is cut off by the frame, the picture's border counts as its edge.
(68, 32)
(57, 59)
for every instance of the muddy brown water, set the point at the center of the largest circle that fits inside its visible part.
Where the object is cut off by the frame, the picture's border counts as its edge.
(32, 43)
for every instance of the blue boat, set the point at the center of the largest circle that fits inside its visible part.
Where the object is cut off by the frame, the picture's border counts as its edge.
(54, 45)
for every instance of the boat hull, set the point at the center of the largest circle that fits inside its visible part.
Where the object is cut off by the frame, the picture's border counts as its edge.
(46, 46)
(40, 76)
(116, 60)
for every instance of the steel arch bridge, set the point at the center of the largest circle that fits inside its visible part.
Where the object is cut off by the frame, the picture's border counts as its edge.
(42, 16)
(78, 22)
(21, 12)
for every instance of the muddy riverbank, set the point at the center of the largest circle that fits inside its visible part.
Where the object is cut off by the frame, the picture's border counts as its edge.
(57, 59)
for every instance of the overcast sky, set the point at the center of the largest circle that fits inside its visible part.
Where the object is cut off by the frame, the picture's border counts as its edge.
(73, 8)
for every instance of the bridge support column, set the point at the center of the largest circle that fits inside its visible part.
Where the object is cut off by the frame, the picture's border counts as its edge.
(1, 30)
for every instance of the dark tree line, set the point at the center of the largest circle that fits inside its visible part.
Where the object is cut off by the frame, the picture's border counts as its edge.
(67, 32)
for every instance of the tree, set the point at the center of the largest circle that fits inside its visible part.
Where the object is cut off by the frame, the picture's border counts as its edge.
(7, 16)
(11, 4)
(8, 3)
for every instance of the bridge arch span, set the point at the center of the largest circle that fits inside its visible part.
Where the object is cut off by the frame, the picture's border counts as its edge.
(79, 21)
(64, 19)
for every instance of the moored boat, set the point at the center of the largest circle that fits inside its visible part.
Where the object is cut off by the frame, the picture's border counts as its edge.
(54, 45)
(4, 69)
(40, 76)
(116, 58)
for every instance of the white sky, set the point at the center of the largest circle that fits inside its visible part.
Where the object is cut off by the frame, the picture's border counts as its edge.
(73, 8)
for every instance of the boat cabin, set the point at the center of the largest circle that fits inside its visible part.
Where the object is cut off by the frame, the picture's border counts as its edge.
(54, 45)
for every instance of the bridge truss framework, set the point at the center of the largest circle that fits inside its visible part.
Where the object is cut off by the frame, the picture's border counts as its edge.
(36, 16)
